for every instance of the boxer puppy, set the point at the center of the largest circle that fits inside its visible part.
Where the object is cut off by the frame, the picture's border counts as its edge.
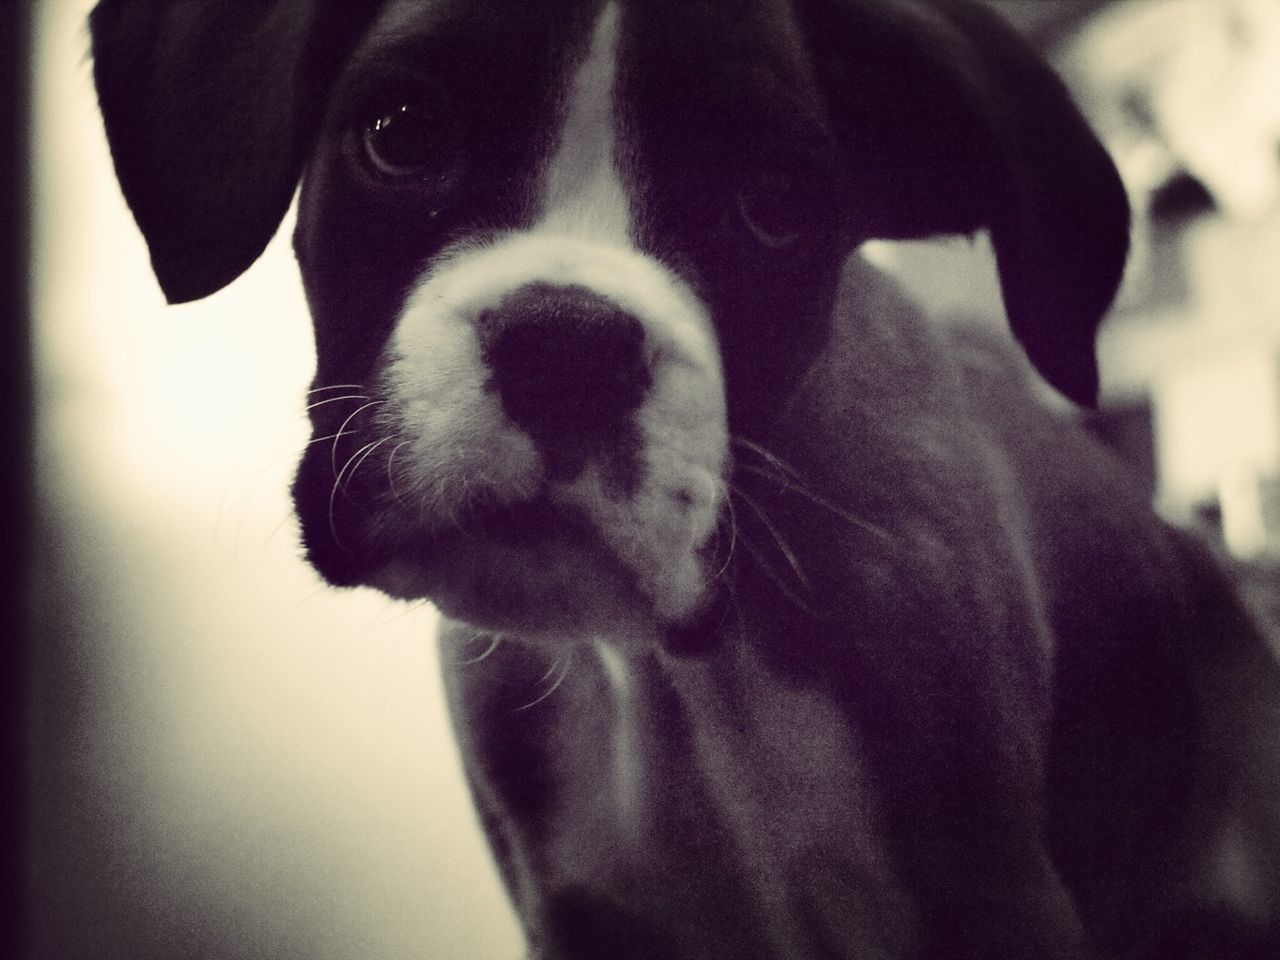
(782, 624)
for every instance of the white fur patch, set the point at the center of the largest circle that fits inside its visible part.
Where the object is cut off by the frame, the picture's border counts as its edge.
(583, 193)
(457, 442)
(628, 765)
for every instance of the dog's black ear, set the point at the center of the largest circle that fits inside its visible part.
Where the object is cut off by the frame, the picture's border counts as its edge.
(951, 123)
(211, 107)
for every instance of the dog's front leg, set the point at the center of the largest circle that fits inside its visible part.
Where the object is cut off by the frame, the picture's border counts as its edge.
(959, 798)
(918, 621)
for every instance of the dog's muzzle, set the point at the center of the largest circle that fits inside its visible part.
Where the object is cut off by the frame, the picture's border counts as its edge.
(571, 390)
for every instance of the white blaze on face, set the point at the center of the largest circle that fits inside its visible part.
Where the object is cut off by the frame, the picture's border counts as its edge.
(457, 443)
(583, 193)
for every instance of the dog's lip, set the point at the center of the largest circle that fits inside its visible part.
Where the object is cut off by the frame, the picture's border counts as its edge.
(528, 524)
(521, 523)
(533, 566)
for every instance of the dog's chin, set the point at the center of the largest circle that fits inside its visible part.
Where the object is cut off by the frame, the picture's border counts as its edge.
(529, 569)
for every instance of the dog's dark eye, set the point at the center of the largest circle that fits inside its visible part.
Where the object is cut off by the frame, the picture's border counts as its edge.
(770, 203)
(407, 141)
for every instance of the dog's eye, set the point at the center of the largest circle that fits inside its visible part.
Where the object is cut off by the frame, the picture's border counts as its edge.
(407, 141)
(771, 205)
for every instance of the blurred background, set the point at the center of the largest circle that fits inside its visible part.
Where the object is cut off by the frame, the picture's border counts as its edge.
(227, 760)
(218, 757)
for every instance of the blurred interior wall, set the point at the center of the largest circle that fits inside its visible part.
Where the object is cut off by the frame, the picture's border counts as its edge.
(227, 760)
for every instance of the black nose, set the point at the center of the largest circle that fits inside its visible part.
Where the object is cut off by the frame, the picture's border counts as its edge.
(568, 365)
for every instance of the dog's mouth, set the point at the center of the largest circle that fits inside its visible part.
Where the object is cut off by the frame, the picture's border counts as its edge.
(534, 566)
(537, 549)
(544, 566)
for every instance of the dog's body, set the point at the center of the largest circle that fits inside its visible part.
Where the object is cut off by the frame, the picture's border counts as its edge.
(785, 624)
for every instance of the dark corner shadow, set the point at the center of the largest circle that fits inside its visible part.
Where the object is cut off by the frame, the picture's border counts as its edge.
(15, 450)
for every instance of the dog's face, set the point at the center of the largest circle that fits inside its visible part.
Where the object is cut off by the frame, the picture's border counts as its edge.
(558, 254)
(536, 278)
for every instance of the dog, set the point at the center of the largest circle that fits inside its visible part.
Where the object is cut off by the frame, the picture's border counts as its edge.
(781, 622)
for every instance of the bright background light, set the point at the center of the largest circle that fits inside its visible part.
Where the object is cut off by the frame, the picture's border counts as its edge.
(231, 760)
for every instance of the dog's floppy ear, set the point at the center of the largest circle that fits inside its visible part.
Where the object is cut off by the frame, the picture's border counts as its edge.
(950, 123)
(211, 107)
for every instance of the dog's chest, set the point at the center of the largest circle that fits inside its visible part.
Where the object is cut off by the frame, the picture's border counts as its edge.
(788, 774)
(690, 795)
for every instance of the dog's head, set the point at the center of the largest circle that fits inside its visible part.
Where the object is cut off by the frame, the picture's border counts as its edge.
(557, 252)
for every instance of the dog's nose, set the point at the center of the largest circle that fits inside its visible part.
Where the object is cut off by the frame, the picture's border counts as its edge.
(568, 365)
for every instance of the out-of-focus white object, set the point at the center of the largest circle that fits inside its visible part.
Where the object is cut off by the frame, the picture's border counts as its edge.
(1217, 428)
(1186, 93)
(1188, 85)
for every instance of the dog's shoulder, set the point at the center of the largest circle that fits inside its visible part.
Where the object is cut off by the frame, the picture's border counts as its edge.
(951, 418)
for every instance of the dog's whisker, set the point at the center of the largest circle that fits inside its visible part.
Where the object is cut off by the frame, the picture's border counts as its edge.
(391, 471)
(783, 547)
(788, 592)
(821, 501)
(335, 386)
(360, 456)
(340, 480)
(320, 403)
(555, 665)
(782, 480)
(333, 521)
(555, 685)
(342, 429)
(339, 483)
(732, 518)
(292, 454)
(495, 640)
(769, 457)
(314, 440)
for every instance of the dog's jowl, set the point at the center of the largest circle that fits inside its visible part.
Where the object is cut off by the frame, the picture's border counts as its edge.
(782, 623)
